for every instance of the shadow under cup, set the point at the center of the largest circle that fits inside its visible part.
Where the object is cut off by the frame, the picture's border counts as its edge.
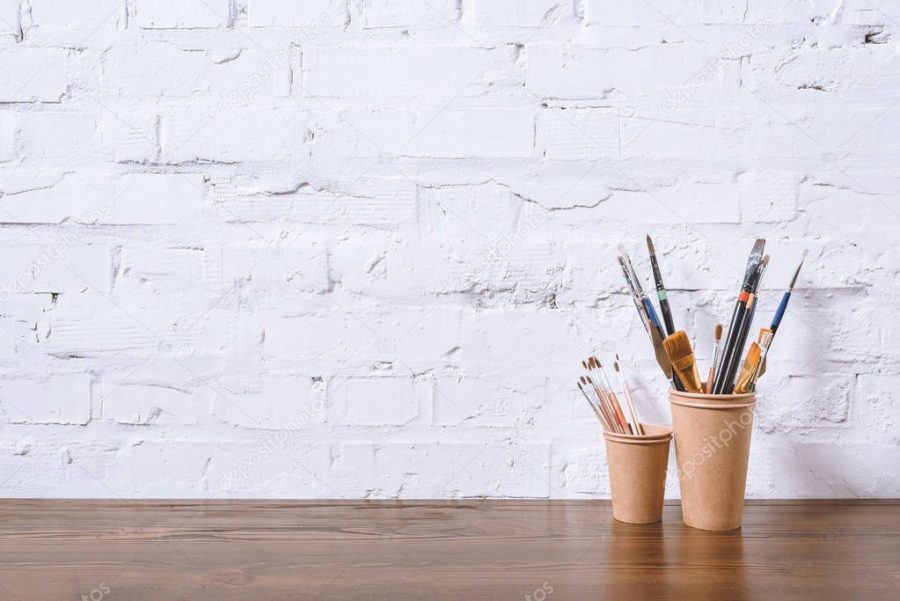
(637, 473)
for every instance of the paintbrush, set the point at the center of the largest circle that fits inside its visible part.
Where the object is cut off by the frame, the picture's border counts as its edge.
(722, 375)
(635, 297)
(782, 306)
(765, 341)
(639, 289)
(779, 314)
(593, 408)
(638, 427)
(610, 395)
(748, 371)
(647, 314)
(663, 303)
(678, 347)
(600, 397)
(747, 321)
(715, 361)
(660, 290)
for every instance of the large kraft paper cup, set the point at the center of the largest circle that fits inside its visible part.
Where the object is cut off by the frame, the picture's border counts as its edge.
(712, 446)
(637, 473)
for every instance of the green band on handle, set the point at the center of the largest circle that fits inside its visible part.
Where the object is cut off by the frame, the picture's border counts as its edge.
(661, 294)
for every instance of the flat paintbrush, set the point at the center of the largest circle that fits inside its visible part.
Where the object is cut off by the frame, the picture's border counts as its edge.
(737, 317)
(678, 347)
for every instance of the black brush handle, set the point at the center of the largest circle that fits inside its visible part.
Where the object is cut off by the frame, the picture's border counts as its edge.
(741, 343)
(736, 316)
(663, 298)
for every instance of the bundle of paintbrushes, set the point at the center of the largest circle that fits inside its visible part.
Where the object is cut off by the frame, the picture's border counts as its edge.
(599, 394)
(672, 347)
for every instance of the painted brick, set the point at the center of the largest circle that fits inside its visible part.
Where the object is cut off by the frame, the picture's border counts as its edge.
(143, 404)
(59, 399)
(88, 14)
(444, 72)
(452, 133)
(377, 14)
(136, 198)
(186, 14)
(32, 75)
(379, 401)
(313, 16)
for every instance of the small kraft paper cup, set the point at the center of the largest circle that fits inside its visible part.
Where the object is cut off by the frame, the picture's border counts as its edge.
(712, 447)
(637, 473)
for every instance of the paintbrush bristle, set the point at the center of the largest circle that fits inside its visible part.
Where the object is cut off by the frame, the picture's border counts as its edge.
(797, 273)
(678, 345)
(616, 365)
(678, 348)
(650, 245)
(718, 332)
(622, 250)
(753, 353)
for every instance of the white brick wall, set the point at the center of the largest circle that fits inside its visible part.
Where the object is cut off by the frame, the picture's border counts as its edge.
(270, 248)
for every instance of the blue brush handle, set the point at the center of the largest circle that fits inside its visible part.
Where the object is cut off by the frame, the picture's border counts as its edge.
(779, 313)
(651, 313)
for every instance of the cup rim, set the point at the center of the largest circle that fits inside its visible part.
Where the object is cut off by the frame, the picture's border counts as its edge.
(661, 433)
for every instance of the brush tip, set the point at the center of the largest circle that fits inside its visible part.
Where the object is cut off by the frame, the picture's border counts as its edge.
(650, 245)
(678, 345)
(622, 250)
(803, 256)
(616, 365)
(718, 332)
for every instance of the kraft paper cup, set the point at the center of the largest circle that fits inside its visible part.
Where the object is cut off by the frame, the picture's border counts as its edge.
(712, 446)
(637, 473)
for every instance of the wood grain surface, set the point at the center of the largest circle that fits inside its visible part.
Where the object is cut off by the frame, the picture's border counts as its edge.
(222, 550)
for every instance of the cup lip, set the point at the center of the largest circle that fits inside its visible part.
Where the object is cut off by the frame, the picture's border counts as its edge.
(740, 397)
(661, 433)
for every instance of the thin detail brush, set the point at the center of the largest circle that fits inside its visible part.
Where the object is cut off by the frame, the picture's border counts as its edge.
(613, 399)
(638, 427)
(660, 290)
(594, 409)
(715, 360)
(776, 320)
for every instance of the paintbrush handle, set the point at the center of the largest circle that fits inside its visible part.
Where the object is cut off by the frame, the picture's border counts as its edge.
(741, 341)
(666, 311)
(661, 295)
(729, 343)
(779, 312)
(651, 313)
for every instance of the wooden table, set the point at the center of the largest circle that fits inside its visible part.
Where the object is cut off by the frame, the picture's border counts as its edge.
(470, 550)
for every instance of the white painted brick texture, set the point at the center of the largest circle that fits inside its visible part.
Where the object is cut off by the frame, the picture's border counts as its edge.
(273, 248)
